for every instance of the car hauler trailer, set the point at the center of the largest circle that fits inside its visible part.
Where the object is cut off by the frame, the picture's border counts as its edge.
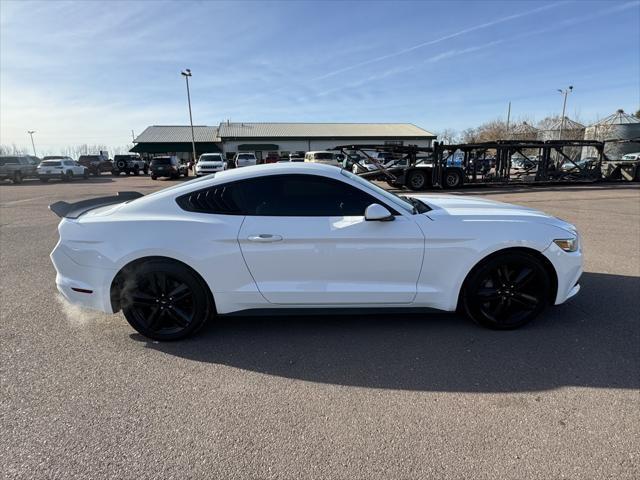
(500, 162)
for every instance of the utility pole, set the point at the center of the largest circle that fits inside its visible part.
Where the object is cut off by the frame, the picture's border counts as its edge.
(508, 118)
(31, 132)
(133, 136)
(187, 73)
(564, 107)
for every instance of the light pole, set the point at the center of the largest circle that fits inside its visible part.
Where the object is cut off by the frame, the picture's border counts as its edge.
(564, 107)
(187, 73)
(31, 132)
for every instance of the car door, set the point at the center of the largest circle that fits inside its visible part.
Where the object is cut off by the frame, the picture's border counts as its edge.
(305, 241)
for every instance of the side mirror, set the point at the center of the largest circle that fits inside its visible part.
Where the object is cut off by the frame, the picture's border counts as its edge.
(377, 213)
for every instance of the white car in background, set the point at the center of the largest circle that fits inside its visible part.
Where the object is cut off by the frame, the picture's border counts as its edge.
(61, 168)
(245, 160)
(323, 157)
(301, 236)
(210, 163)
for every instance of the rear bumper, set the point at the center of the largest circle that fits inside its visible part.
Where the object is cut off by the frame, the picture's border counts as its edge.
(87, 287)
(51, 175)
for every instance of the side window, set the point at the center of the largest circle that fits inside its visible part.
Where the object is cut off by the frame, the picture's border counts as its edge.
(301, 196)
(281, 195)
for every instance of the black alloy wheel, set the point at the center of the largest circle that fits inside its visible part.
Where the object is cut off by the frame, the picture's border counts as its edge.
(507, 291)
(165, 301)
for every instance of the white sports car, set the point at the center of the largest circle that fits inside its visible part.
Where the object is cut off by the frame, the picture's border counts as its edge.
(295, 236)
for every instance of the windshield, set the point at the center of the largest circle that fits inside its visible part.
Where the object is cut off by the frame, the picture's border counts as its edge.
(50, 163)
(53, 157)
(246, 156)
(210, 158)
(161, 161)
(393, 198)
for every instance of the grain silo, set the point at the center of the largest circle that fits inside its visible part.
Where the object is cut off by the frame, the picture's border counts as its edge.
(620, 131)
(524, 132)
(567, 130)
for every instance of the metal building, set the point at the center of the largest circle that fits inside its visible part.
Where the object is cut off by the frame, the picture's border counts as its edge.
(620, 131)
(567, 130)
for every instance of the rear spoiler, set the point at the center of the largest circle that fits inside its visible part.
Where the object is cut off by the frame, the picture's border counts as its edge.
(74, 210)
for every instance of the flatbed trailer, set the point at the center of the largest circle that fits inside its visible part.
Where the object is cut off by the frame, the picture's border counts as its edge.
(491, 163)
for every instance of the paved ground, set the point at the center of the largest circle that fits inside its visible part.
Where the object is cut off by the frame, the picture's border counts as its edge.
(347, 397)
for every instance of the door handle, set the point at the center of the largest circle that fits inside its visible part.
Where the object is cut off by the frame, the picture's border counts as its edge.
(265, 238)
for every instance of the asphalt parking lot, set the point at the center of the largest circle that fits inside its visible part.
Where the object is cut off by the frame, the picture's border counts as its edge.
(389, 396)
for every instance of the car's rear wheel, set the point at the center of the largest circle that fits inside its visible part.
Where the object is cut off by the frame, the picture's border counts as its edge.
(17, 177)
(68, 176)
(85, 175)
(164, 300)
(136, 172)
(146, 170)
(153, 177)
(506, 291)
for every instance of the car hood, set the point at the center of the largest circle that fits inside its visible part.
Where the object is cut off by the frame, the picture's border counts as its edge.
(473, 208)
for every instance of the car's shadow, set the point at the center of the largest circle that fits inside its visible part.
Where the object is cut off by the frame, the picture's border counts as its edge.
(594, 341)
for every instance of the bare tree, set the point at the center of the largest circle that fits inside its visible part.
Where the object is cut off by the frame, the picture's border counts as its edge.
(448, 135)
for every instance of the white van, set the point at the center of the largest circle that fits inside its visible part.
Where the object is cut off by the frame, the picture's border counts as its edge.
(327, 158)
(245, 160)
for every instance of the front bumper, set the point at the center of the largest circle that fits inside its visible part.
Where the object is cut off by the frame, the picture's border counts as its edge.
(88, 287)
(568, 267)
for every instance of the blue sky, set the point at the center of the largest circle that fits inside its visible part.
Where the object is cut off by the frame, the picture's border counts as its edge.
(90, 72)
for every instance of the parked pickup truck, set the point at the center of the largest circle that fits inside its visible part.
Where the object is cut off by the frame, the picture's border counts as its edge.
(129, 164)
(16, 168)
(96, 164)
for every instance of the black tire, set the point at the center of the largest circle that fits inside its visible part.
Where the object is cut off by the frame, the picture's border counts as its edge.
(85, 175)
(17, 177)
(165, 301)
(127, 172)
(417, 180)
(506, 291)
(67, 177)
(44, 180)
(146, 170)
(452, 179)
(153, 177)
(115, 173)
(136, 172)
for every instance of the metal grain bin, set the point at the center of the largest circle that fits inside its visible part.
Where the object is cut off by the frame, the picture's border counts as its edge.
(620, 131)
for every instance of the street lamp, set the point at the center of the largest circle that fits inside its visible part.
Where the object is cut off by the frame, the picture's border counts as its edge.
(187, 73)
(564, 107)
(31, 132)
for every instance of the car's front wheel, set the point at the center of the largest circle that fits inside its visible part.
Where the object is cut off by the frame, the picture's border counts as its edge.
(506, 291)
(163, 300)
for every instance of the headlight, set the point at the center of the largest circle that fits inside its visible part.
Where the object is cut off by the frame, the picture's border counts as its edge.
(567, 244)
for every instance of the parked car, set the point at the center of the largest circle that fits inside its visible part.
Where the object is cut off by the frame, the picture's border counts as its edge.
(272, 157)
(62, 168)
(16, 168)
(631, 156)
(210, 163)
(129, 164)
(324, 157)
(584, 163)
(309, 236)
(296, 157)
(96, 164)
(244, 160)
(168, 166)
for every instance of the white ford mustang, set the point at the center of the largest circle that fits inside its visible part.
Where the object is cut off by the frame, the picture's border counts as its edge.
(294, 236)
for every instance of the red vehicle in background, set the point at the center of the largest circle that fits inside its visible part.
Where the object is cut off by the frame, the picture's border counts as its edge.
(272, 157)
